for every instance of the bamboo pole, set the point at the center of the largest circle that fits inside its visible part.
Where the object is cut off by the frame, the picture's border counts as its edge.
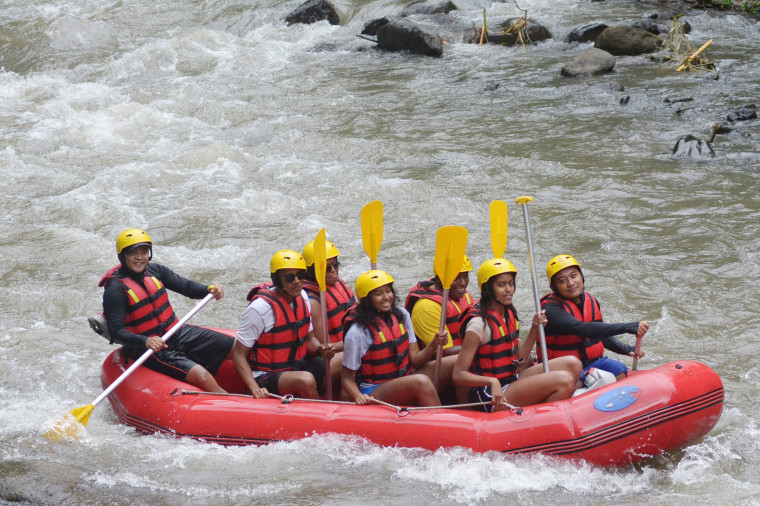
(696, 53)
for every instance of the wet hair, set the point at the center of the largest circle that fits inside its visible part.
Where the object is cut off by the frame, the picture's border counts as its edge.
(311, 274)
(276, 279)
(366, 312)
(486, 296)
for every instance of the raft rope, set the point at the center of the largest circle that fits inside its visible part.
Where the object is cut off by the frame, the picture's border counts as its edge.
(400, 410)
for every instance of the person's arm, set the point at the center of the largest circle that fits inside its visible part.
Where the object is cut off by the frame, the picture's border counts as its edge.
(316, 320)
(526, 347)
(355, 347)
(115, 305)
(419, 357)
(561, 322)
(426, 320)
(240, 361)
(176, 283)
(463, 376)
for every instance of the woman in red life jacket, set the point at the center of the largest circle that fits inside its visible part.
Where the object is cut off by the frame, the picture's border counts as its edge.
(275, 350)
(380, 348)
(338, 298)
(492, 351)
(138, 313)
(575, 321)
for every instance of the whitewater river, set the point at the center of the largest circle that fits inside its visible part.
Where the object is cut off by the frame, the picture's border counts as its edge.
(228, 136)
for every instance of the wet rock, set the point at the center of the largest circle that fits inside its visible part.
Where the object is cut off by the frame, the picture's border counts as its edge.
(744, 113)
(689, 146)
(371, 27)
(613, 86)
(649, 26)
(492, 86)
(591, 61)
(624, 100)
(673, 100)
(586, 33)
(628, 40)
(429, 7)
(313, 11)
(404, 35)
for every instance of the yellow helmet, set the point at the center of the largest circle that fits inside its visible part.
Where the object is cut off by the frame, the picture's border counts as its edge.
(466, 264)
(369, 281)
(286, 259)
(493, 267)
(130, 237)
(308, 252)
(558, 263)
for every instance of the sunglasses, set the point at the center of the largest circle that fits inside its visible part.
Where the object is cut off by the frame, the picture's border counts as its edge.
(289, 278)
(332, 267)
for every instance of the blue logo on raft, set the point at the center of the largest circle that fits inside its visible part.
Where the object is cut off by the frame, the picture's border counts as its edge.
(616, 399)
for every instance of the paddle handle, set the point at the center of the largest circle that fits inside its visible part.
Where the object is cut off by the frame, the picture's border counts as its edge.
(536, 300)
(441, 327)
(325, 342)
(145, 356)
(636, 353)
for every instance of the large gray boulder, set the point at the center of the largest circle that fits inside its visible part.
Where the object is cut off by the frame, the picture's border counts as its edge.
(628, 40)
(404, 35)
(590, 61)
(313, 11)
(429, 7)
(691, 147)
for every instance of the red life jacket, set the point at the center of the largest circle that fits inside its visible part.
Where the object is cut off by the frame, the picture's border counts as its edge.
(339, 299)
(388, 356)
(149, 312)
(498, 358)
(577, 346)
(283, 347)
(454, 308)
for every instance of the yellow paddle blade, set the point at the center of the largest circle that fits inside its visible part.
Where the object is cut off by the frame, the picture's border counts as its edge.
(450, 245)
(320, 262)
(498, 212)
(372, 228)
(71, 425)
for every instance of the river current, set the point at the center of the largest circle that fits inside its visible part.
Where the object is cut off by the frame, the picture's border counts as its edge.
(228, 135)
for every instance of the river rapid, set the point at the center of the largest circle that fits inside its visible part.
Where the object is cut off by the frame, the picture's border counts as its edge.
(228, 136)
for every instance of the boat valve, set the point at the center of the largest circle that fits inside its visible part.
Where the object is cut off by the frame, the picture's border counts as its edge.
(287, 399)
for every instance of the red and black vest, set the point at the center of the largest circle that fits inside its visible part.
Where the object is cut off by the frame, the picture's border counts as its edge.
(388, 356)
(339, 299)
(148, 312)
(454, 308)
(577, 346)
(283, 347)
(497, 358)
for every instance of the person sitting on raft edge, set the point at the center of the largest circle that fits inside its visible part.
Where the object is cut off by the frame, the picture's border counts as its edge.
(380, 348)
(276, 350)
(338, 298)
(137, 311)
(575, 325)
(492, 351)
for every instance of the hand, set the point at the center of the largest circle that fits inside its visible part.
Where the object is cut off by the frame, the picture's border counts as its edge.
(216, 290)
(640, 354)
(643, 329)
(155, 343)
(441, 339)
(327, 352)
(540, 319)
(260, 393)
(363, 399)
(497, 393)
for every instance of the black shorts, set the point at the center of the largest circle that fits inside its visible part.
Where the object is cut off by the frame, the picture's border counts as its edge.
(191, 346)
(314, 365)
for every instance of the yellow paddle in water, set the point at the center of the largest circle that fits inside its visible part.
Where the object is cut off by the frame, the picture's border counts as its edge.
(542, 337)
(320, 269)
(372, 230)
(71, 425)
(450, 246)
(498, 212)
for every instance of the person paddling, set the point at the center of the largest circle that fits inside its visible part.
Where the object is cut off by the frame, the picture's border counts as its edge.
(492, 352)
(276, 350)
(380, 348)
(137, 311)
(338, 297)
(575, 325)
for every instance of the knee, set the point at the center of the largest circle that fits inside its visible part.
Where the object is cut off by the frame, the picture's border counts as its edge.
(306, 380)
(566, 383)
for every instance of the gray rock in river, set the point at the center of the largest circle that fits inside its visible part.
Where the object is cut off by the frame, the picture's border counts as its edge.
(628, 40)
(586, 33)
(532, 33)
(591, 61)
(689, 146)
(313, 11)
(404, 35)
(429, 7)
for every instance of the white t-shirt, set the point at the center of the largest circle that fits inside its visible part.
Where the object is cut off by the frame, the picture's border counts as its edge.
(358, 339)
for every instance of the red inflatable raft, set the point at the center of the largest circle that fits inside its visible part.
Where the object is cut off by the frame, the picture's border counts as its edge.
(646, 414)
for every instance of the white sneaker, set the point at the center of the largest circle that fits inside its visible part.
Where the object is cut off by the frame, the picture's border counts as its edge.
(595, 378)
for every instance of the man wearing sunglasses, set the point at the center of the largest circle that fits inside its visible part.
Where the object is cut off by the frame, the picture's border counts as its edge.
(276, 350)
(338, 298)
